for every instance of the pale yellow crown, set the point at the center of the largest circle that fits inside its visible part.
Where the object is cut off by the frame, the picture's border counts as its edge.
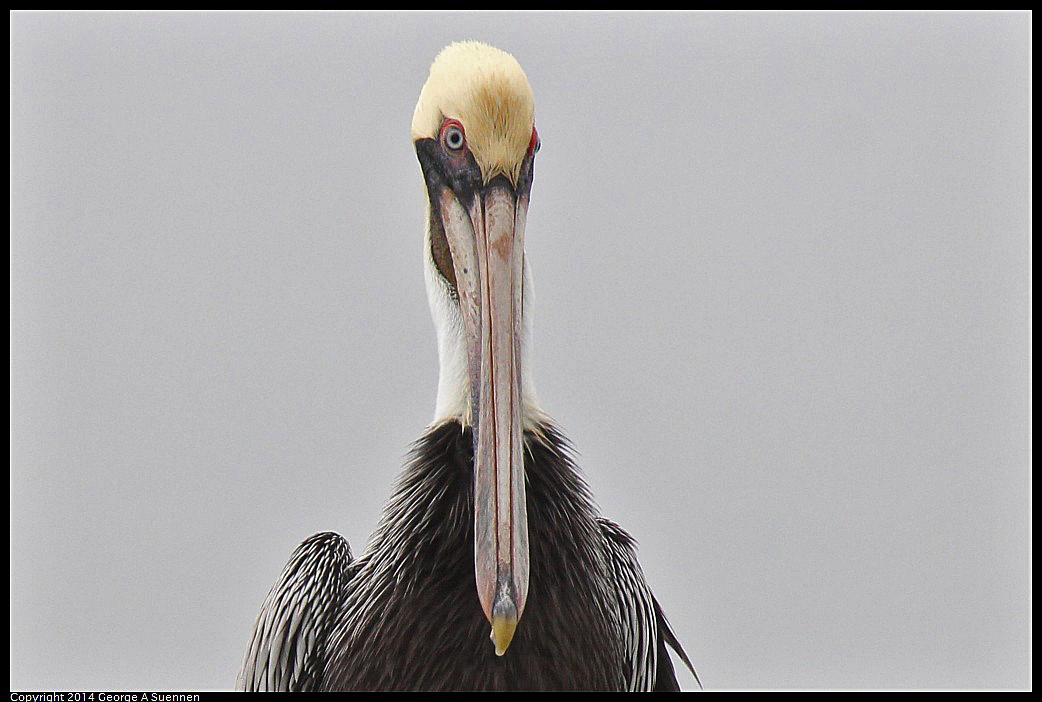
(486, 90)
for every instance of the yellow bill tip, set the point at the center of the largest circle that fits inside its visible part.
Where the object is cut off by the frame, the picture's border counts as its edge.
(503, 629)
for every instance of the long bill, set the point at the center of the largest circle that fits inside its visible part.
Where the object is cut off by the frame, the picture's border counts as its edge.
(486, 240)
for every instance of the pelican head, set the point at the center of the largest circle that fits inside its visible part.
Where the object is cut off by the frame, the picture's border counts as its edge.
(474, 132)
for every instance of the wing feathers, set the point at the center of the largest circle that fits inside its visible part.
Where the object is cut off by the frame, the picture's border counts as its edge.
(645, 631)
(287, 649)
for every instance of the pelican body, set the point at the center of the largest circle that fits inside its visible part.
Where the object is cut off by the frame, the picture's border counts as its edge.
(491, 568)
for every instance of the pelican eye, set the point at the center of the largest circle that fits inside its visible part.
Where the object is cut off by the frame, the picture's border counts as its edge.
(452, 135)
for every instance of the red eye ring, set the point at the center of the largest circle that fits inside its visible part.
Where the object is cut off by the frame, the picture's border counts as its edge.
(534, 143)
(452, 135)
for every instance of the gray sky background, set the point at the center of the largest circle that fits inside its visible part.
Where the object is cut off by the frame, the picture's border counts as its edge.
(782, 267)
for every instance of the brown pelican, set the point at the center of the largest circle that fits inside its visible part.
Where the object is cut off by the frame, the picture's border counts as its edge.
(491, 532)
